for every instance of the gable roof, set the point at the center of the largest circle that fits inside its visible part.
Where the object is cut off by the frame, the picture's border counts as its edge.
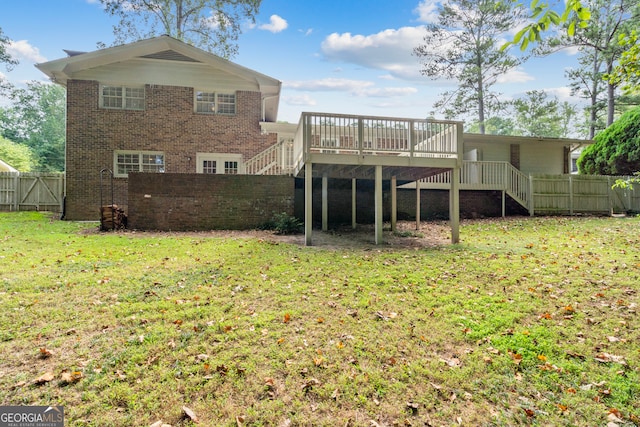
(169, 50)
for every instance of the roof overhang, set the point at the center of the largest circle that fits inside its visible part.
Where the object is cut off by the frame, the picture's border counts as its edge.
(161, 48)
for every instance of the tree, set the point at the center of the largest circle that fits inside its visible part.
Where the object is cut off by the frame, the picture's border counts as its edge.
(464, 45)
(17, 155)
(598, 42)
(36, 118)
(544, 18)
(616, 150)
(627, 72)
(213, 25)
(7, 60)
(494, 126)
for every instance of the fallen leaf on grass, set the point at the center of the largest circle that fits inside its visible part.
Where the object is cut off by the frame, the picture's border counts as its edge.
(453, 362)
(190, 414)
(44, 378)
(606, 358)
(71, 377)
(287, 318)
(45, 353)
(308, 385)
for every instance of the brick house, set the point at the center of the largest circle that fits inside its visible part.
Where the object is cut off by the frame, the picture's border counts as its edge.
(157, 105)
(160, 105)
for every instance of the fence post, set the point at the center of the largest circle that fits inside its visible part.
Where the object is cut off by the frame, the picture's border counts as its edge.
(16, 192)
(531, 201)
(570, 195)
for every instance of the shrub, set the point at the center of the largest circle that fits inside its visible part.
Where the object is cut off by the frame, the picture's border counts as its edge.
(283, 223)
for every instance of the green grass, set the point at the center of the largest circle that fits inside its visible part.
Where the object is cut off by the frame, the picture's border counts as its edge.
(529, 321)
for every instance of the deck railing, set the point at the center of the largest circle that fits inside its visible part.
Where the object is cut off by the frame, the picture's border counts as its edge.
(275, 160)
(487, 176)
(370, 135)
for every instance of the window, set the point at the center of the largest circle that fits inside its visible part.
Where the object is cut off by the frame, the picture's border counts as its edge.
(121, 97)
(132, 161)
(215, 103)
(213, 163)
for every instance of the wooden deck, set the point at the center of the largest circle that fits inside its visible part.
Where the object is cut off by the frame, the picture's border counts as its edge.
(377, 148)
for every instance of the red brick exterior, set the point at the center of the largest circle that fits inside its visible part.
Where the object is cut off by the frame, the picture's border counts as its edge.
(186, 202)
(168, 124)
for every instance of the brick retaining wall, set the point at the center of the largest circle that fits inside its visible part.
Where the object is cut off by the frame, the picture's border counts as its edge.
(182, 202)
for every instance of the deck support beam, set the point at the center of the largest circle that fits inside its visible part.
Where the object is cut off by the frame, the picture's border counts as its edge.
(353, 203)
(394, 203)
(418, 191)
(378, 205)
(454, 204)
(308, 203)
(325, 202)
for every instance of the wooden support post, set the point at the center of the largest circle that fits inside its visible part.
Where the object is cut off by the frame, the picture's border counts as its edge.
(532, 200)
(504, 204)
(454, 205)
(571, 195)
(325, 202)
(378, 205)
(418, 191)
(353, 203)
(308, 203)
(394, 203)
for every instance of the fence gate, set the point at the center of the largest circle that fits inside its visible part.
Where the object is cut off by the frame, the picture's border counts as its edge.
(31, 191)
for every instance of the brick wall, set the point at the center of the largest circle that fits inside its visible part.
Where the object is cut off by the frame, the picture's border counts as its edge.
(206, 202)
(167, 124)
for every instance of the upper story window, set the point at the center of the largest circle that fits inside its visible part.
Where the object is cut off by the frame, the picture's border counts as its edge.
(122, 97)
(215, 103)
(137, 161)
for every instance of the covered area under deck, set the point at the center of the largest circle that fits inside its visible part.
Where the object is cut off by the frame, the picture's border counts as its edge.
(375, 148)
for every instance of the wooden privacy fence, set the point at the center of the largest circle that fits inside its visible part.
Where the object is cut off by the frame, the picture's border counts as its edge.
(544, 194)
(29, 191)
(572, 194)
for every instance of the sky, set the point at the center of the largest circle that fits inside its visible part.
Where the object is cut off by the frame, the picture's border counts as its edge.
(332, 56)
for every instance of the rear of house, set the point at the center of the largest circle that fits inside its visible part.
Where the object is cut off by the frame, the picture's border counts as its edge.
(158, 105)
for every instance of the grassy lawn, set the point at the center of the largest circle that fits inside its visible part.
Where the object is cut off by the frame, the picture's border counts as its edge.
(529, 321)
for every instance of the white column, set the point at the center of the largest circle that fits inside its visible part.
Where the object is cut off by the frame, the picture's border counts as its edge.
(418, 190)
(353, 203)
(378, 203)
(308, 203)
(394, 202)
(454, 205)
(325, 203)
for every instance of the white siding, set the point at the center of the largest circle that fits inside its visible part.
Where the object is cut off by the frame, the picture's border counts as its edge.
(542, 158)
(149, 71)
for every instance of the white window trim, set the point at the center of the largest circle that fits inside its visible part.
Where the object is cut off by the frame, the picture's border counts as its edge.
(139, 153)
(124, 90)
(219, 157)
(216, 102)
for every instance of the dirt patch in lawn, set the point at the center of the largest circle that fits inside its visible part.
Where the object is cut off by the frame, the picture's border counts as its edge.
(430, 234)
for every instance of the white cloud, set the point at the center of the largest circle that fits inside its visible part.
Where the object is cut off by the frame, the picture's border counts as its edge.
(427, 11)
(329, 84)
(353, 87)
(276, 24)
(301, 100)
(306, 32)
(389, 50)
(515, 76)
(23, 51)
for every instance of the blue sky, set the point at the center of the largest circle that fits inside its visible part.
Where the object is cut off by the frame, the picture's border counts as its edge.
(338, 56)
